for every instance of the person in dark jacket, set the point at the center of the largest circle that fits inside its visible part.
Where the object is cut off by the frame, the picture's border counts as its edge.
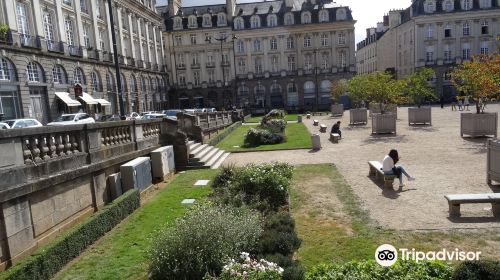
(336, 129)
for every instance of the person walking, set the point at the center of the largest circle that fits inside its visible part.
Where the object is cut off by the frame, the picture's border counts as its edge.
(460, 104)
(389, 167)
(454, 103)
(466, 102)
(336, 129)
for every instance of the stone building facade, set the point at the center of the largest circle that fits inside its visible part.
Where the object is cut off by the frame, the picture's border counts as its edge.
(438, 34)
(51, 45)
(271, 54)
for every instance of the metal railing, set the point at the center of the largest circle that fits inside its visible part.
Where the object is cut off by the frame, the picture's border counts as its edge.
(55, 46)
(93, 54)
(29, 41)
(75, 51)
(6, 38)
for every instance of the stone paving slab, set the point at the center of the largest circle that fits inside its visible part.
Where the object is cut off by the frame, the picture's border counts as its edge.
(201, 182)
(188, 201)
(442, 161)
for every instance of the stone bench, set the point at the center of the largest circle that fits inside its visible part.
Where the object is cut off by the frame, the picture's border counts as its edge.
(334, 137)
(376, 170)
(315, 122)
(317, 113)
(308, 116)
(322, 128)
(454, 201)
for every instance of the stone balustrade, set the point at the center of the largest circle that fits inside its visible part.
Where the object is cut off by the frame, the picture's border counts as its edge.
(200, 126)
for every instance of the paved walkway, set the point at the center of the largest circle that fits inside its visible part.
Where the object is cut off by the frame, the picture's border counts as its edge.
(437, 156)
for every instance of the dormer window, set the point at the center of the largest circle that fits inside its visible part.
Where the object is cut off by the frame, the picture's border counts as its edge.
(341, 15)
(323, 16)
(239, 24)
(177, 23)
(485, 4)
(255, 22)
(272, 20)
(449, 5)
(221, 20)
(430, 6)
(306, 17)
(466, 4)
(192, 22)
(207, 21)
(289, 19)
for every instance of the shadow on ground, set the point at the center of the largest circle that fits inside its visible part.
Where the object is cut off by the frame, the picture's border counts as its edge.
(385, 138)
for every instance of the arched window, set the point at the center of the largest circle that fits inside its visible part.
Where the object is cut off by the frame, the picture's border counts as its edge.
(78, 76)
(177, 23)
(323, 16)
(221, 19)
(260, 90)
(430, 6)
(143, 84)
(96, 81)
(272, 20)
(35, 72)
(59, 75)
(449, 5)
(242, 90)
(309, 87)
(275, 88)
(207, 21)
(341, 15)
(255, 21)
(306, 17)
(7, 71)
(466, 4)
(242, 95)
(239, 23)
(192, 22)
(110, 82)
(485, 4)
(133, 84)
(123, 83)
(325, 86)
(289, 19)
(150, 81)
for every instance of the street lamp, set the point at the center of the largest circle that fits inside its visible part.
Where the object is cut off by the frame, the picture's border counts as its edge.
(222, 39)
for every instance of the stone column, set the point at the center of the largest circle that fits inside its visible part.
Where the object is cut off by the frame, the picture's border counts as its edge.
(10, 6)
(139, 37)
(131, 37)
(147, 54)
(156, 60)
(93, 8)
(38, 18)
(60, 22)
(162, 50)
(79, 26)
(108, 22)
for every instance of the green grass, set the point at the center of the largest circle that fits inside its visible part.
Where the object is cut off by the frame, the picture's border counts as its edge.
(122, 253)
(344, 232)
(257, 119)
(298, 137)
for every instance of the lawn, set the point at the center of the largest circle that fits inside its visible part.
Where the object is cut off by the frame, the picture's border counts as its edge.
(122, 253)
(334, 227)
(298, 137)
(257, 119)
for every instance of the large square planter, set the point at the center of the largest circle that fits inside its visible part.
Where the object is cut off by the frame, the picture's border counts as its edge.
(383, 123)
(493, 161)
(475, 125)
(419, 115)
(337, 109)
(359, 115)
(375, 109)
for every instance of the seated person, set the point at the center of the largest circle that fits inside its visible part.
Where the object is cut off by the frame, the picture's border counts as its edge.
(389, 167)
(336, 129)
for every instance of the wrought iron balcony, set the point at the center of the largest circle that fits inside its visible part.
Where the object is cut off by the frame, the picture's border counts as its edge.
(29, 41)
(75, 51)
(107, 57)
(121, 59)
(93, 54)
(140, 63)
(54, 46)
(6, 38)
(148, 65)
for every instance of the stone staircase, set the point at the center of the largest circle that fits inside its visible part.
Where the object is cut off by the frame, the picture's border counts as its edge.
(203, 156)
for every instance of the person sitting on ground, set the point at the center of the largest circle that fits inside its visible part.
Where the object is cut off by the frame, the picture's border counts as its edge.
(336, 129)
(389, 167)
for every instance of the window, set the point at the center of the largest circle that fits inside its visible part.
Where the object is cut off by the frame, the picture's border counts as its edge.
(274, 64)
(58, 75)
(192, 22)
(225, 58)
(447, 76)
(290, 44)
(211, 76)
(177, 23)
(484, 50)
(274, 44)
(78, 76)
(67, 2)
(429, 55)
(324, 40)
(256, 46)
(210, 59)
(484, 28)
(466, 29)
(96, 82)
(292, 95)
(306, 17)
(180, 60)
(448, 5)
(325, 61)
(255, 21)
(4, 70)
(258, 65)
(485, 4)
(239, 24)
(341, 15)
(182, 79)
(193, 39)
(447, 53)
(430, 6)
(196, 78)
(110, 82)
(272, 21)
(178, 40)
(133, 84)
(308, 62)
(124, 21)
(33, 72)
(86, 36)
(447, 31)
(323, 16)
(207, 21)
(307, 41)
(48, 27)
(466, 51)
(68, 25)
(98, 12)
(195, 60)
(102, 43)
(341, 39)
(467, 4)
(289, 19)
(240, 47)
(242, 66)
(342, 59)
(221, 20)
(22, 19)
(291, 63)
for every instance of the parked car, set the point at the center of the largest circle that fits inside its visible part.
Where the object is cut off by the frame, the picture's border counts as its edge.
(4, 126)
(171, 113)
(109, 118)
(146, 113)
(133, 116)
(70, 119)
(22, 123)
(153, 116)
(190, 111)
(209, 110)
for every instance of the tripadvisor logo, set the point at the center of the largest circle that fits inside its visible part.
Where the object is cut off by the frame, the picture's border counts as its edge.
(387, 255)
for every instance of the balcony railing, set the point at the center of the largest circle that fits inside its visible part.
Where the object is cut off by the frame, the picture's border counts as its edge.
(148, 65)
(181, 66)
(210, 65)
(156, 67)
(108, 57)
(6, 38)
(29, 41)
(140, 63)
(195, 65)
(121, 59)
(54, 46)
(75, 51)
(93, 54)
(131, 61)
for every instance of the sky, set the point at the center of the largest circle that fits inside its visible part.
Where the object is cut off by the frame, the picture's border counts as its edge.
(366, 12)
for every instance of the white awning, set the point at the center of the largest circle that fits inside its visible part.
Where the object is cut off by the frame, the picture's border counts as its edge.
(103, 102)
(64, 96)
(87, 98)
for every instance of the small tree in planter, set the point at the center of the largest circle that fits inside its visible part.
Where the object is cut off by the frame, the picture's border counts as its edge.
(357, 93)
(479, 79)
(418, 90)
(339, 87)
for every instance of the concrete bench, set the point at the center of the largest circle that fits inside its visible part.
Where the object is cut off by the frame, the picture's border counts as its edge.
(317, 113)
(322, 128)
(308, 116)
(376, 170)
(315, 122)
(334, 137)
(455, 200)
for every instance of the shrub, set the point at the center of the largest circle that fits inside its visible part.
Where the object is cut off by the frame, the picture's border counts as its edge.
(477, 270)
(273, 114)
(256, 137)
(279, 236)
(294, 272)
(370, 270)
(249, 269)
(44, 263)
(202, 241)
(275, 125)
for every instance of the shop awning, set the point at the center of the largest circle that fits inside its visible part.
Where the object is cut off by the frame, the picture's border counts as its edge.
(64, 96)
(87, 98)
(103, 102)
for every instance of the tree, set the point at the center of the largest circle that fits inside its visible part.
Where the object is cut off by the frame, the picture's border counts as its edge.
(383, 89)
(417, 86)
(339, 88)
(357, 87)
(479, 78)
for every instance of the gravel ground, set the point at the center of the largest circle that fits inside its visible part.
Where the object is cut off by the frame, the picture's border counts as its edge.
(442, 161)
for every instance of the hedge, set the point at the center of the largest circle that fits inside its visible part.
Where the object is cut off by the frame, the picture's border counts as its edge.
(214, 141)
(46, 262)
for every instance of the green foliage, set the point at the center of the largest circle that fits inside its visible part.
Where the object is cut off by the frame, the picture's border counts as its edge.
(249, 269)
(202, 241)
(256, 137)
(275, 125)
(47, 262)
(477, 270)
(274, 114)
(418, 88)
(4, 28)
(357, 89)
(279, 235)
(370, 270)
(339, 88)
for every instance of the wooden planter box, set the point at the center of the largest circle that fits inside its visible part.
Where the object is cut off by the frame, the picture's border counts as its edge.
(375, 109)
(419, 115)
(337, 109)
(383, 123)
(358, 116)
(493, 161)
(476, 125)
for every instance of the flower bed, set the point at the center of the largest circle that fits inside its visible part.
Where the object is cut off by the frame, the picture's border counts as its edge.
(270, 131)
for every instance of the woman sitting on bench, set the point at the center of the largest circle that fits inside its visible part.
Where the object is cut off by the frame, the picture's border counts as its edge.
(389, 167)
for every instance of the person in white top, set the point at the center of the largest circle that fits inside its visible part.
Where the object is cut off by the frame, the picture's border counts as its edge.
(389, 167)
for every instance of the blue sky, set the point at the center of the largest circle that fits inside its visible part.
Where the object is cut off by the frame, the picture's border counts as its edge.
(366, 12)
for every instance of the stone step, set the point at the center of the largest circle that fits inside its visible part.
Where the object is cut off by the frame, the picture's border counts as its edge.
(195, 167)
(209, 155)
(193, 146)
(201, 153)
(196, 150)
(220, 161)
(215, 157)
